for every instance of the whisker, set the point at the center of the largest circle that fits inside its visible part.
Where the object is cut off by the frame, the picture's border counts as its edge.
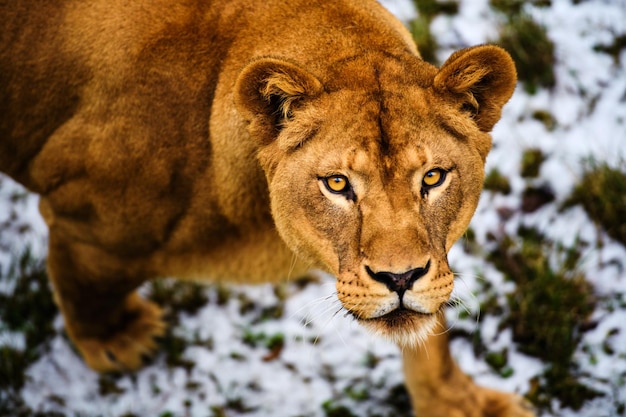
(311, 303)
(321, 314)
(446, 330)
(337, 331)
(325, 325)
(472, 297)
(292, 266)
(458, 304)
(318, 314)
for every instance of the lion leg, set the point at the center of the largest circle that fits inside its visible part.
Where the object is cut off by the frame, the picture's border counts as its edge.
(438, 387)
(110, 324)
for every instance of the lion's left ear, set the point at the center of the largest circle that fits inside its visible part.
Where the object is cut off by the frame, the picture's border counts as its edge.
(480, 80)
(268, 90)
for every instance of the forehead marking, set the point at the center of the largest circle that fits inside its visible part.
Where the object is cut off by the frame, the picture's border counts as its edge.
(394, 147)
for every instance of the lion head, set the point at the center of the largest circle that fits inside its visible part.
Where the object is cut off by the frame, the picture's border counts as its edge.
(375, 168)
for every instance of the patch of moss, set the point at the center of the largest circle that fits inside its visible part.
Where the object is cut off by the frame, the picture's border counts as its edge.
(273, 312)
(533, 198)
(218, 411)
(426, 42)
(238, 406)
(531, 49)
(548, 312)
(496, 182)
(489, 304)
(22, 410)
(399, 399)
(28, 309)
(174, 348)
(562, 385)
(257, 313)
(13, 363)
(515, 7)
(357, 393)
(178, 296)
(499, 361)
(333, 410)
(546, 118)
(373, 396)
(602, 193)
(531, 163)
(614, 49)
(108, 385)
(272, 341)
(432, 8)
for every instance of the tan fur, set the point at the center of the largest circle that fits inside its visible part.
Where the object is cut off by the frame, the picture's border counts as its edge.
(193, 139)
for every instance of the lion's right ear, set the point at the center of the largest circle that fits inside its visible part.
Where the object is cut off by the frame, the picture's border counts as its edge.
(268, 91)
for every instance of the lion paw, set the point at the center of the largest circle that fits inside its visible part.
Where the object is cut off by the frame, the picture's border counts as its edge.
(130, 345)
(500, 404)
(471, 401)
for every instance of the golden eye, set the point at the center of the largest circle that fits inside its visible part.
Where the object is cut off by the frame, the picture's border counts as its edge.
(337, 183)
(434, 178)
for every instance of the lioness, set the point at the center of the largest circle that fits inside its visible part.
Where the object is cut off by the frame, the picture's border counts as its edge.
(224, 139)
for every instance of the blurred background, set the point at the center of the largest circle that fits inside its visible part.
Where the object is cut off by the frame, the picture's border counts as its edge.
(540, 300)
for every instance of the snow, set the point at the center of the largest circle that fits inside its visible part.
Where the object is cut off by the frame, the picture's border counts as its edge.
(403, 10)
(21, 225)
(324, 351)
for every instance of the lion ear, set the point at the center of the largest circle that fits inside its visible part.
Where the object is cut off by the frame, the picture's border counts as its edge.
(479, 80)
(268, 90)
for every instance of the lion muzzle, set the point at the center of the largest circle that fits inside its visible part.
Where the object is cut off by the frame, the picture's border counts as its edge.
(399, 283)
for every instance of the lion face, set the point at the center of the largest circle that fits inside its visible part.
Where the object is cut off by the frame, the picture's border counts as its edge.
(374, 183)
(379, 198)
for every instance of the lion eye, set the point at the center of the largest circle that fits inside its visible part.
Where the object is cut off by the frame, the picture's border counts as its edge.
(434, 178)
(337, 184)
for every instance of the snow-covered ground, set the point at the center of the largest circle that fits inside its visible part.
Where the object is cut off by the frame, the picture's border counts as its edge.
(327, 357)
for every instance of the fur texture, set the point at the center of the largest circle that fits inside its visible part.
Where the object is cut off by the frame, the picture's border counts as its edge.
(225, 139)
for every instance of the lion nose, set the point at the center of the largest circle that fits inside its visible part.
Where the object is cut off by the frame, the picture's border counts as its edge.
(399, 283)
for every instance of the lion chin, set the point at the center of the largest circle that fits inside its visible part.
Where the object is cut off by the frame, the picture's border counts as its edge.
(402, 326)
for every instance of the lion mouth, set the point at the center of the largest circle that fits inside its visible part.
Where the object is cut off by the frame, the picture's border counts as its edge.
(399, 317)
(402, 326)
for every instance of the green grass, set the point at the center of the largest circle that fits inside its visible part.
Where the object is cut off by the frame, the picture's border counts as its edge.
(531, 163)
(420, 26)
(515, 7)
(530, 47)
(27, 309)
(535, 197)
(602, 193)
(526, 40)
(177, 296)
(499, 361)
(496, 182)
(333, 410)
(548, 312)
(426, 42)
(615, 48)
(546, 118)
